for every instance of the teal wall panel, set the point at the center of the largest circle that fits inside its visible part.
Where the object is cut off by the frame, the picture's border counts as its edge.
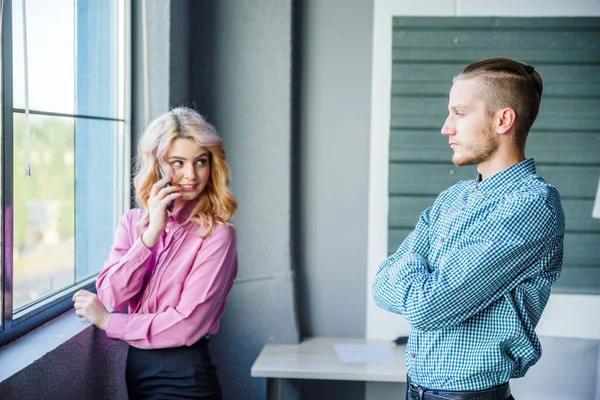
(564, 141)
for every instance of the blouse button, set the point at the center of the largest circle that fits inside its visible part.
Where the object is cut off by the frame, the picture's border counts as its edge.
(167, 230)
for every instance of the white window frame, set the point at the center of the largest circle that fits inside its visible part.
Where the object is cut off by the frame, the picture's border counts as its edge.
(565, 315)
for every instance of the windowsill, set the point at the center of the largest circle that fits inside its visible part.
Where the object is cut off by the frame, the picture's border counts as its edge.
(18, 355)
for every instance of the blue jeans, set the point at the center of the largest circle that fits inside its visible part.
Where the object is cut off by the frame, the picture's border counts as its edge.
(510, 398)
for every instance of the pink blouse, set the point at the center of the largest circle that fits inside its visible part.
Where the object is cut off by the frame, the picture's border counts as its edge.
(176, 290)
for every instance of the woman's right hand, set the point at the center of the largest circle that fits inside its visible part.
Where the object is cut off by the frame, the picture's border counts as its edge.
(160, 197)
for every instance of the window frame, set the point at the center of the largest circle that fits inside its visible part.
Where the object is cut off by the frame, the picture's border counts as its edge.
(15, 324)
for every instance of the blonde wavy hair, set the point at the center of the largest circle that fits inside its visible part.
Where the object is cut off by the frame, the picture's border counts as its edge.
(216, 204)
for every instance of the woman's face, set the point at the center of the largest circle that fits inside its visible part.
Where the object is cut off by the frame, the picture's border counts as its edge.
(191, 168)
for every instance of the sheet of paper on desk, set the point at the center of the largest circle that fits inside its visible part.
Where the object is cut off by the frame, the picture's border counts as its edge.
(355, 353)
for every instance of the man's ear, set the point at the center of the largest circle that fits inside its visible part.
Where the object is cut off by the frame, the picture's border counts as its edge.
(505, 120)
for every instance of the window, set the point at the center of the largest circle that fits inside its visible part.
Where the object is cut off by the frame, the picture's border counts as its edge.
(65, 178)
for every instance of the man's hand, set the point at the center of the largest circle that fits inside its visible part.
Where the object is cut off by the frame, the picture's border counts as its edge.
(88, 306)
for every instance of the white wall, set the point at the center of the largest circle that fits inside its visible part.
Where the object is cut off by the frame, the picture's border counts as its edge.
(566, 316)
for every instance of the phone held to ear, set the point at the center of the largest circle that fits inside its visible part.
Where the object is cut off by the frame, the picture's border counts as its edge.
(172, 203)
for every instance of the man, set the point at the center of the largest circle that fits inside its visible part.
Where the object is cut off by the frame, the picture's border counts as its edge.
(474, 276)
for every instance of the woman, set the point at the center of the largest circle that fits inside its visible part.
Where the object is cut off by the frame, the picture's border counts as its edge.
(175, 269)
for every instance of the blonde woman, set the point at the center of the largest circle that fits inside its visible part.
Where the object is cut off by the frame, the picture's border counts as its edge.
(173, 269)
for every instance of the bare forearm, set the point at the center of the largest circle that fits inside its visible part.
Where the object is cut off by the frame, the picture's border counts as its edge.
(103, 322)
(150, 236)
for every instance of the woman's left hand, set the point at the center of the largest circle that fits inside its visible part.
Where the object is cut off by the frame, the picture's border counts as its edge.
(88, 306)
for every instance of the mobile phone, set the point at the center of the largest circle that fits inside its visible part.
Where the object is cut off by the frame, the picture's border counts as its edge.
(172, 203)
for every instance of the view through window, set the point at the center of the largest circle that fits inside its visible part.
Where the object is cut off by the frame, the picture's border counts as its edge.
(64, 213)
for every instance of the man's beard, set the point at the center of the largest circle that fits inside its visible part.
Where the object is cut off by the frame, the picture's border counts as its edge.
(481, 150)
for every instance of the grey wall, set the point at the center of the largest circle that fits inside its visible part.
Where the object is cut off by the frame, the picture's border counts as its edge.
(334, 159)
(241, 80)
(335, 126)
(179, 53)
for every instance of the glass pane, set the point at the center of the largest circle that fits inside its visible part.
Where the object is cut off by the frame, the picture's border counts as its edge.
(44, 208)
(51, 55)
(75, 67)
(99, 62)
(96, 192)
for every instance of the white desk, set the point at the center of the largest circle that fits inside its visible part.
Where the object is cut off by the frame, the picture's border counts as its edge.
(316, 358)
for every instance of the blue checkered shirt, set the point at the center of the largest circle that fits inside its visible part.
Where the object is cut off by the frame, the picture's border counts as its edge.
(474, 277)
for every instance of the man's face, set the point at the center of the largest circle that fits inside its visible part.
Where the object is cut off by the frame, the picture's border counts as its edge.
(468, 126)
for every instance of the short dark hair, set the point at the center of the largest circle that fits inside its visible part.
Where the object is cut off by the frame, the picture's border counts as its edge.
(509, 83)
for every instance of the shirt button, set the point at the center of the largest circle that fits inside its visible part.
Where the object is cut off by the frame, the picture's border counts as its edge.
(167, 230)
(442, 239)
(413, 355)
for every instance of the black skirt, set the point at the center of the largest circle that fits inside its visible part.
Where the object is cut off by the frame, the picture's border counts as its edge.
(174, 373)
